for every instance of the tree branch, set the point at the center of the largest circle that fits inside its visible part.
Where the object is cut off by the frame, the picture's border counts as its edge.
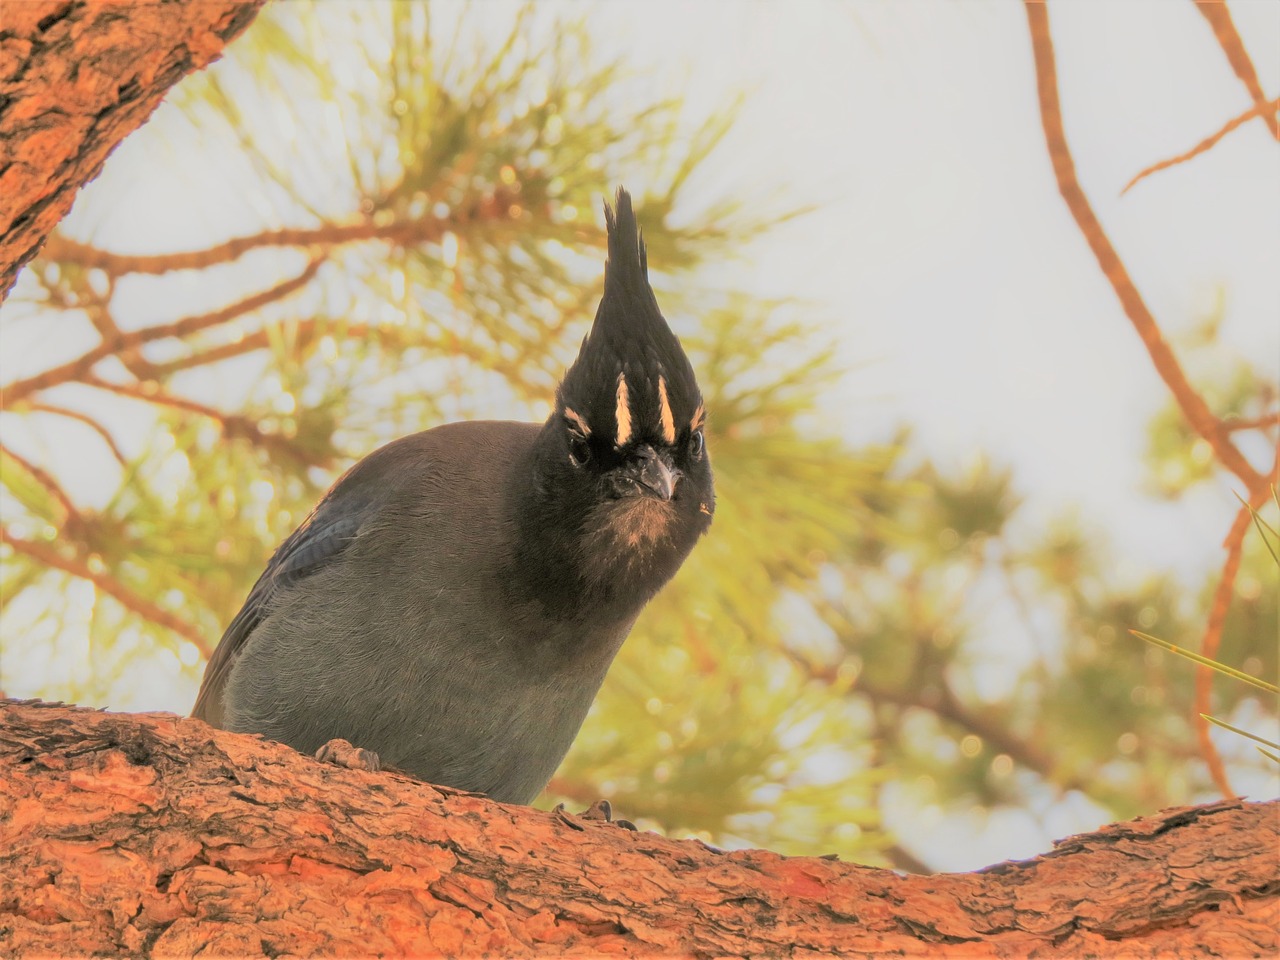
(50, 557)
(1257, 110)
(153, 835)
(1224, 28)
(1193, 407)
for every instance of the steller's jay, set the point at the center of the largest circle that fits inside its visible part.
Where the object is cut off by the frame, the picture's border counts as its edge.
(455, 599)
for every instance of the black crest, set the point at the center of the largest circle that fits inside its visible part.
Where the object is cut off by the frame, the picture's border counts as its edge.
(629, 344)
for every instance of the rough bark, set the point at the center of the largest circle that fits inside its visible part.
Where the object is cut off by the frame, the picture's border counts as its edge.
(153, 835)
(76, 77)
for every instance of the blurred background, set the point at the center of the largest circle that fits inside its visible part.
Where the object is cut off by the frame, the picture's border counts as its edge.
(950, 478)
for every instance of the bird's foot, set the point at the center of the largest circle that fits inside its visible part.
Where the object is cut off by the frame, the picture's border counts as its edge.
(600, 812)
(341, 753)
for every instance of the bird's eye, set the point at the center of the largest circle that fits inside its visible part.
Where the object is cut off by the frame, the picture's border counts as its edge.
(579, 450)
(696, 445)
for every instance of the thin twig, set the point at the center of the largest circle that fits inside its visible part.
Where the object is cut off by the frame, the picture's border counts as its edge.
(1257, 110)
(47, 555)
(88, 421)
(79, 368)
(1224, 28)
(1193, 407)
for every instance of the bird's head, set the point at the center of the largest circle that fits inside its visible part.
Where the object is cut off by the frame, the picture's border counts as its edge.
(623, 462)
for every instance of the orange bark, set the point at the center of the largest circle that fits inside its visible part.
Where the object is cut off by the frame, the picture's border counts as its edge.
(153, 835)
(76, 78)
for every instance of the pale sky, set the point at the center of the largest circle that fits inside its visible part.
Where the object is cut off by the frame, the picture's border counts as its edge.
(940, 257)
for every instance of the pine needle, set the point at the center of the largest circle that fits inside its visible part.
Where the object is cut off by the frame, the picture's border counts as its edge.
(1243, 733)
(1205, 661)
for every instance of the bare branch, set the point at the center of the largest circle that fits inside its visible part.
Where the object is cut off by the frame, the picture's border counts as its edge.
(1224, 28)
(1193, 407)
(50, 557)
(79, 368)
(1257, 110)
(190, 325)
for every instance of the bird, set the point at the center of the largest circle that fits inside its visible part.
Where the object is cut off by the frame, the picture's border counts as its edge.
(453, 602)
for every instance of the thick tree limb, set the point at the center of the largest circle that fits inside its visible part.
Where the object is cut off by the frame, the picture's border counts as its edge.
(148, 835)
(75, 79)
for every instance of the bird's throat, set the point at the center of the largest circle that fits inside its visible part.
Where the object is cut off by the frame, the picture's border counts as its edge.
(634, 525)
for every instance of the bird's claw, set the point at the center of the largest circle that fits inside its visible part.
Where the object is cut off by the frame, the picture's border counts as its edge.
(565, 817)
(341, 753)
(602, 812)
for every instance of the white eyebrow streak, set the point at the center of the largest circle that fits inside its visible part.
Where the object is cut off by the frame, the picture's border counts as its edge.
(623, 411)
(578, 422)
(664, 413)
(699, 417)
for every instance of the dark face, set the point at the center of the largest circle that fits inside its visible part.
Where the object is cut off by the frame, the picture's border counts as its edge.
(643, 483)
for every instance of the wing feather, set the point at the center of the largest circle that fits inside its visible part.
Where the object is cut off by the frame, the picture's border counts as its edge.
(322, 537)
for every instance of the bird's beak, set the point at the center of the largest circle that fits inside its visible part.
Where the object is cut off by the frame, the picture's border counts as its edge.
(653, 473)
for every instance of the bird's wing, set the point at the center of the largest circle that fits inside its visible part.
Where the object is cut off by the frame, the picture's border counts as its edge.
(330, 528)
